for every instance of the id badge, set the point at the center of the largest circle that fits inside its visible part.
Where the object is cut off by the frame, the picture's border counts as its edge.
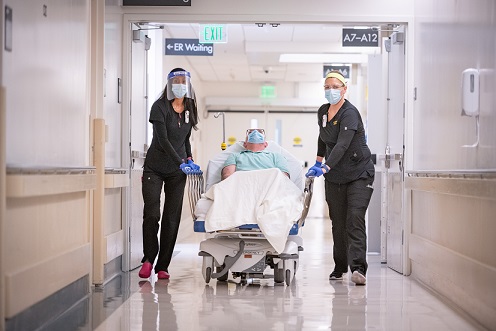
(324, 120)
(186, 116)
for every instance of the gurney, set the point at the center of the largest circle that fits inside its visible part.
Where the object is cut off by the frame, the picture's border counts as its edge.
(250, 242)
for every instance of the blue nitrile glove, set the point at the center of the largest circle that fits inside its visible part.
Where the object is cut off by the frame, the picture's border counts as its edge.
(186, 168)
(314, 171)
(193, 165)
(310, 173)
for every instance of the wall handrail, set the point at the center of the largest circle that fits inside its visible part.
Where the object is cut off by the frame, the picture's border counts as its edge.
(470, 174)
(47, 170)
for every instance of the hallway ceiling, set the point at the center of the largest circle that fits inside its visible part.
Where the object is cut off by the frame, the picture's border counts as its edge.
(253, 50)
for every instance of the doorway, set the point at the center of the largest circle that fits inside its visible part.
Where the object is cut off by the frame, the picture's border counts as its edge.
(237, 86)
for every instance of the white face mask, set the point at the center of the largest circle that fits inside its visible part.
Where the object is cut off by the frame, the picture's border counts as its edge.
(179, 90)
(333, 96)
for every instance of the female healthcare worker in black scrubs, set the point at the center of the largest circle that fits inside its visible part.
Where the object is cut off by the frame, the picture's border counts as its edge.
(167, 162)
(349, 174)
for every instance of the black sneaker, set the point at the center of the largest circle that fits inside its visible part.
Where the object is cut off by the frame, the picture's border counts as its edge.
(358, 278)
(336, 275)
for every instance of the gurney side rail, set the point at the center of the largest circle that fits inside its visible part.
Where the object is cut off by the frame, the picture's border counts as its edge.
(196, 187)
(307, 198)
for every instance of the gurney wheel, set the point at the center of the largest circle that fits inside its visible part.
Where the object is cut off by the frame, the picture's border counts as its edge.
(278, 275)
(207, 267)
(288, 277)
(208, 274)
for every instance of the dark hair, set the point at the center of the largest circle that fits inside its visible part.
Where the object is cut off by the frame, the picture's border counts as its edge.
(176, 69)
(189, 104)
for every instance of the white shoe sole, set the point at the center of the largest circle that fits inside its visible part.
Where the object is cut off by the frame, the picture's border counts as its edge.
(358, 278)
(340, 278)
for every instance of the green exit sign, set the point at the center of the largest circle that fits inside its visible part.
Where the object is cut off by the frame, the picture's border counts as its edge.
(213, 33)
(268, 91)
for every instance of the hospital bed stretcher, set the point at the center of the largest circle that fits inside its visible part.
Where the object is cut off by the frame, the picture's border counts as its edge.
(244, 250)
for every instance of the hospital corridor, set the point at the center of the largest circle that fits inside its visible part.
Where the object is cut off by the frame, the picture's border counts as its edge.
(247, 165)
(389, 301)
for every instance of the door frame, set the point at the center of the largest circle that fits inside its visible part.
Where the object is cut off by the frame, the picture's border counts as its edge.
(129, 19)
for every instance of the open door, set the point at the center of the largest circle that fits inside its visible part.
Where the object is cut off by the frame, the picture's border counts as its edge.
(138, 119)
(394, 151)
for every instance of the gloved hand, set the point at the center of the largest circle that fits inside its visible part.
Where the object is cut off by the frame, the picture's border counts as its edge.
(193, 165)
(314, 170)
(186, 168)
(191, 168)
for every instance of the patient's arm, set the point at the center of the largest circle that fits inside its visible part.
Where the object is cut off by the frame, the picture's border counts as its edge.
(227, 171)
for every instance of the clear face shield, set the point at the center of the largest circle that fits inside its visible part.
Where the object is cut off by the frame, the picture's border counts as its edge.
(179, 85)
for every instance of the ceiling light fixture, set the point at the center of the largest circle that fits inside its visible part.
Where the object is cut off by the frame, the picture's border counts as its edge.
(260, 25)
(323, 58)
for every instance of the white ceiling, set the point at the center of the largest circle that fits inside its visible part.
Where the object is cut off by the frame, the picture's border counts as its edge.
(252, 51)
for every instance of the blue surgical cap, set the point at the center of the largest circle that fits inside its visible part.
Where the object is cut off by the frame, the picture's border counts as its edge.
(256, 137)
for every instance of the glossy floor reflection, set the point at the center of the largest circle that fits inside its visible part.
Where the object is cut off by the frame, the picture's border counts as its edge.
(389, 301)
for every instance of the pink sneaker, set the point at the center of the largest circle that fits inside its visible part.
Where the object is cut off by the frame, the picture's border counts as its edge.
(146, 270)
(163, 275)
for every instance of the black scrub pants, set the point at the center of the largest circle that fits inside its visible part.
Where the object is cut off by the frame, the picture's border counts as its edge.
(173, 185)
(348, 204)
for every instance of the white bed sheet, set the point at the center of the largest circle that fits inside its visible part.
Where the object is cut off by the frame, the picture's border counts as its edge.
(264, 197)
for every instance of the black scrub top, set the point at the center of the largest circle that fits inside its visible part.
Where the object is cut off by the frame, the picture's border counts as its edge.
(170, 143)
(342, 143)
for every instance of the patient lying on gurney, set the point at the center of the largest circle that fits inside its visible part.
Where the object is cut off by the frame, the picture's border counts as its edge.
(264, 195)
(254, 157)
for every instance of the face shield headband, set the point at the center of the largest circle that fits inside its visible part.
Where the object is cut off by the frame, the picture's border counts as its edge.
(179, 85)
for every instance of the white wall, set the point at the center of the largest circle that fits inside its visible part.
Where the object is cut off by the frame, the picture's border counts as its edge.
(450, 233)
(46, 76)
(47, 216)
(451, 37)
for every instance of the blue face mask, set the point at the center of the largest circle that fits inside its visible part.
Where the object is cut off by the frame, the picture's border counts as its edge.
(179, 90)
(333, 96)
(255, 137)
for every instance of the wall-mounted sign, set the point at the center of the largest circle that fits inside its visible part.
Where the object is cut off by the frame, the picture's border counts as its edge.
(188, 47)
(156, 3)
(344, 70)
(231, 140)
(213, 33)
(297, 142)
(267, 91)
(360, 38)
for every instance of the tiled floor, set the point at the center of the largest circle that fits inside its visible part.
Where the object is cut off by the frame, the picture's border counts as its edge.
(389, 301)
